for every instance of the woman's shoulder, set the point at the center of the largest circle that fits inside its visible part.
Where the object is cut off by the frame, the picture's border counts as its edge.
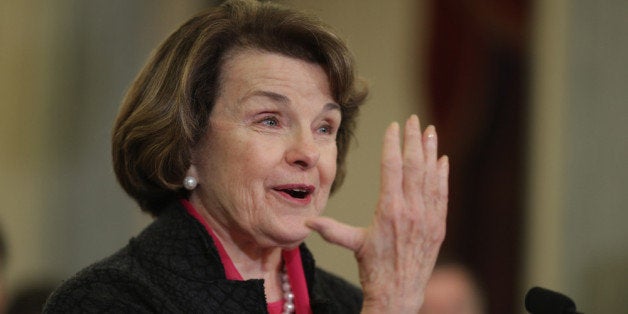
(115, 283)
(170, 257)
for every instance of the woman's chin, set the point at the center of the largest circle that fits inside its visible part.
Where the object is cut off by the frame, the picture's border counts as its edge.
(292, 238)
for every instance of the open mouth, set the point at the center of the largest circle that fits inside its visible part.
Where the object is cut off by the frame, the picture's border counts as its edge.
(296, 191)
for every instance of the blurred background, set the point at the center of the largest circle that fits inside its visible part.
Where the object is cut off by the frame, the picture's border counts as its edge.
(529, 97)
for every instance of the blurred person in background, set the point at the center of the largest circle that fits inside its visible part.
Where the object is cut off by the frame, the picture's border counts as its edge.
(30, 298)
(3, 266)
(453, 289)
(233, 136)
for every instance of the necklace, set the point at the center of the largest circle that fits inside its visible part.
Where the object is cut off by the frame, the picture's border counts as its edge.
(288, 296)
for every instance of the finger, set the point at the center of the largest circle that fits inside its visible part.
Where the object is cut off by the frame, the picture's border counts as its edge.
(443, 174)
(338, 233)
(430, 144)
(431, 179)
(443, 183)
(391, 173)
(412, 158)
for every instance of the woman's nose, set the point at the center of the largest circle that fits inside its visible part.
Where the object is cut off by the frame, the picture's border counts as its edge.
(303, 152)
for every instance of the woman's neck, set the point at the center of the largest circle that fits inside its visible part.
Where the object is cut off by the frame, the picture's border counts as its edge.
(250, 259)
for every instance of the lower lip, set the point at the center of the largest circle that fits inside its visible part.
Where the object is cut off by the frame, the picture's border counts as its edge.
(300, 201)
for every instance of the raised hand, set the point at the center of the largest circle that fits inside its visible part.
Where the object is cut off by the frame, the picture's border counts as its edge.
(397, 252)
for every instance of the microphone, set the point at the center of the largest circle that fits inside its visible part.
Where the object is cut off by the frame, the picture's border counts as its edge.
(543, 301)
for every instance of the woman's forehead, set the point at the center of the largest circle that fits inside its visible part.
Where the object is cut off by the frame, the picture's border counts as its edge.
(273, 75)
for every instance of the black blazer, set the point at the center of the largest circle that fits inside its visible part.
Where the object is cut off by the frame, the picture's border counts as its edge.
(173, 267)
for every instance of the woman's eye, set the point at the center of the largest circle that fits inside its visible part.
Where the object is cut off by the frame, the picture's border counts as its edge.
(270, 121)
(325, 129)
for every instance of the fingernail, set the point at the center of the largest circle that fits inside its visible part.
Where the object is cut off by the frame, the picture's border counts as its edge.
(410, 122)
(395, 126)
(431, 132)
(414, 118)
(392, 130)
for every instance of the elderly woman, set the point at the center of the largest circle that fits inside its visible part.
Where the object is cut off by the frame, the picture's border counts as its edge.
(233, 136)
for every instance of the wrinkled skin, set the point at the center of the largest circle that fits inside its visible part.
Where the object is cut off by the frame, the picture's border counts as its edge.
(397, 252)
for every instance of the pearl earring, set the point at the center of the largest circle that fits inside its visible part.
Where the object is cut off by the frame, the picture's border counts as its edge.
(190, 183)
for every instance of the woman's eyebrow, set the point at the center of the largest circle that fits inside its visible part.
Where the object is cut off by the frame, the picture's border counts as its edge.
(332, 106)
(275, 97)
(283, 100)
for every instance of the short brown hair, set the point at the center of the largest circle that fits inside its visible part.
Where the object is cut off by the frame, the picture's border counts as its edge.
(167, 108)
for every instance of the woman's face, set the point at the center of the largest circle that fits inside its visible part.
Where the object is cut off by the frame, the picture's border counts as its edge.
(268, 159)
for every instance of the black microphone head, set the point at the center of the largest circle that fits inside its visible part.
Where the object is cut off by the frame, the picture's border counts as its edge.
(543, 301)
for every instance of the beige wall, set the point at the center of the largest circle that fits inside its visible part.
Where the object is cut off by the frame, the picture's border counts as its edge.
(595, 262)
(546, 149)
(577, 239)
(25, 86)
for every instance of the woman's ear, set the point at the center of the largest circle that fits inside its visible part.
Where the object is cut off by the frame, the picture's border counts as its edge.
(191, 172)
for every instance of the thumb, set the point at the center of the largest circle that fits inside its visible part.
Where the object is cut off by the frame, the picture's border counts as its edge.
(338, 233)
